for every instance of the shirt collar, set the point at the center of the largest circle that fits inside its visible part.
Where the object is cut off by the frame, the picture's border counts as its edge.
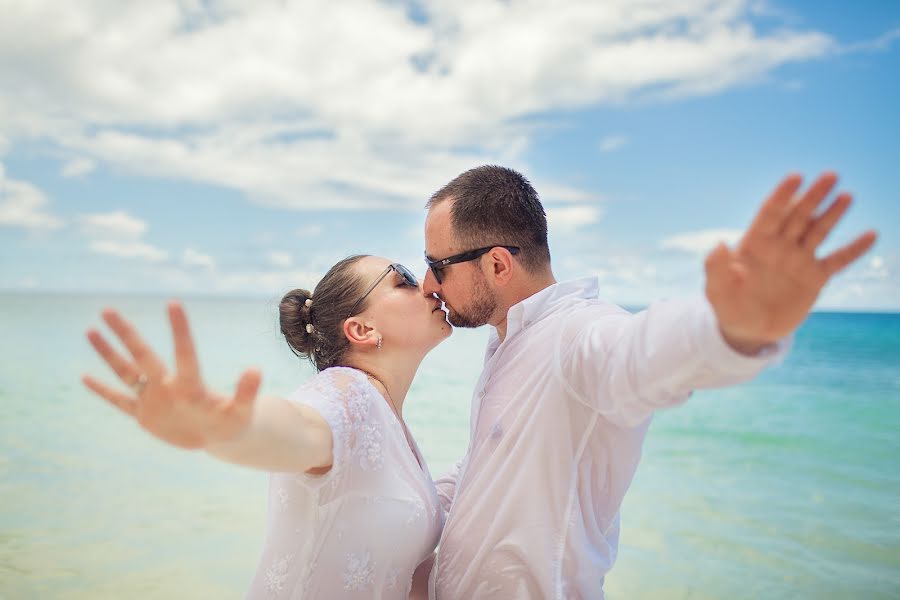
(539, 305)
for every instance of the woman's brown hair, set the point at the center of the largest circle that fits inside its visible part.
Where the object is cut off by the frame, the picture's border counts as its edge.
(323, 343)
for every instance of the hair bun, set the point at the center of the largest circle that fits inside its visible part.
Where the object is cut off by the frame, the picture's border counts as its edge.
(294, 321)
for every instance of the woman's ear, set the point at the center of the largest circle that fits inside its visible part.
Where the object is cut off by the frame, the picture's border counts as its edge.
(359, 333)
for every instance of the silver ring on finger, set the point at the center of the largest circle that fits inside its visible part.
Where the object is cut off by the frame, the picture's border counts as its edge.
(139, 385)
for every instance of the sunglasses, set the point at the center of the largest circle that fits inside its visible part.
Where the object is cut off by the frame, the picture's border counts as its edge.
(437, 266)
(407, 276)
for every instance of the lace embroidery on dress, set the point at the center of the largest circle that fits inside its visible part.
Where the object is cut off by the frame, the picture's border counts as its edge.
(369, 447)
(392, 578)
(277, 574)
(282, 498)
(344, 398)
(359, 575)
(418, 509)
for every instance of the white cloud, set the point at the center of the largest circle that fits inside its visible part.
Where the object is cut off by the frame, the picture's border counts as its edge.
(130, 250)
(551, 193)
(612, 142)
(193, 258)
(567, 219)
(875, 268)
(23, 205)
(78, 167)
(876, 262)
(628, 269)
(276, 282)
(311, 230)
(701, 242)
(631, 279)
(120, 235)
(871, 284)
(280, 259)
(879, 44)
(375, 110)
(117, 224)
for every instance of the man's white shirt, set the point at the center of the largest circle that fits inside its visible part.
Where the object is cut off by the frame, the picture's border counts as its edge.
(558, 419)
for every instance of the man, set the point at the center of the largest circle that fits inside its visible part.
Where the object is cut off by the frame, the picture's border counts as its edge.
(570, 381)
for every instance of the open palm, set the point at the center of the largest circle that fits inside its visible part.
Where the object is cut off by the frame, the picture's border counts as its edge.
(763, 289)
(174, 406)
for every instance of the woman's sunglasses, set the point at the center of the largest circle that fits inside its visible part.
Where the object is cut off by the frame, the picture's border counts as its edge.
(408, 279)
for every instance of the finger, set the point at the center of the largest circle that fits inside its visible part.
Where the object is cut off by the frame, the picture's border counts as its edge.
(717, 260)
(185, 354)
(842, 257)
(797, 220)
(146, 360)
(123, 402)
(719, 275)
(125, 369)
(247, 388)
(771, 215)
(822, 225)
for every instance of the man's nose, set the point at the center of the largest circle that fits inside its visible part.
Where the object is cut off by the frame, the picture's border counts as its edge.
(430, 286)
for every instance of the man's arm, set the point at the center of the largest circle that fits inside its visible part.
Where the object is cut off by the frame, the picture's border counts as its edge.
(626, 366)
(446, 486)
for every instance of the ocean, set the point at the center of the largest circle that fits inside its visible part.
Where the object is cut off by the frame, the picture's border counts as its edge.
(785, 487)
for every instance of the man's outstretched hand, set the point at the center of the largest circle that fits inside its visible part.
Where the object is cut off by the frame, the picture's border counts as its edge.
(762, 290)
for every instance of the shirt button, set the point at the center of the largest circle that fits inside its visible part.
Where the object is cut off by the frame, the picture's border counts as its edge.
(496, 431)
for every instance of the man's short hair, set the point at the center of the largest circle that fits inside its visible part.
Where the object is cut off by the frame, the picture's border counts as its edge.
(497, 206)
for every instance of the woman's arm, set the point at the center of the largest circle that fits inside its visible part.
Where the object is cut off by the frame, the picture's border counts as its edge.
(282, 436)
(269, 433)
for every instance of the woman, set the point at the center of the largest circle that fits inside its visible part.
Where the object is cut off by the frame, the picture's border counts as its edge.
(352, 506)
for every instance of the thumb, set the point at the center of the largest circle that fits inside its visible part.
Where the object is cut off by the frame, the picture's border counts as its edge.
(717, 261)
(723, 274)
(247, 388)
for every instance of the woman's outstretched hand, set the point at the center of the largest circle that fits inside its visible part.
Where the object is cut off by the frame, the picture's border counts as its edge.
(174, 406)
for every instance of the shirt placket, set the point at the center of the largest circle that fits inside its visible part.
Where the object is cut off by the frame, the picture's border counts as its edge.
(478, 398)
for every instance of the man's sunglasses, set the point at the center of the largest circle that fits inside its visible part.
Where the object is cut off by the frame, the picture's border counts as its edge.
(408, 279)
(437, 266)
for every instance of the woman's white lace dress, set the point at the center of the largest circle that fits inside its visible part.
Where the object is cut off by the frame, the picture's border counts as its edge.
(360, 530)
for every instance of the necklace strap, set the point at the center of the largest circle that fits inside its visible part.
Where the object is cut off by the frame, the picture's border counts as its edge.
(386, 391)
(396, 414)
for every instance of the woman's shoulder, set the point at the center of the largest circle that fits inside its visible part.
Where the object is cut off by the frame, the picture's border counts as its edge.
(337, 387)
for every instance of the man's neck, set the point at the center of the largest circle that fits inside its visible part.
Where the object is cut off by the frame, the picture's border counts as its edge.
(521, 294)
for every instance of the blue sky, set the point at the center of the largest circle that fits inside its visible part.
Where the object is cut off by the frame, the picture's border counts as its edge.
(225, 148)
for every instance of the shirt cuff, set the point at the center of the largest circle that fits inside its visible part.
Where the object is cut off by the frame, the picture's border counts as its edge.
(722, 356)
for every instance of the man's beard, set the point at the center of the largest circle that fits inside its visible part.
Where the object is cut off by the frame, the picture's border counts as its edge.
(479, 312)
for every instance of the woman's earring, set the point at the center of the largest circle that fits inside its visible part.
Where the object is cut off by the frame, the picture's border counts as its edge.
(379, 342)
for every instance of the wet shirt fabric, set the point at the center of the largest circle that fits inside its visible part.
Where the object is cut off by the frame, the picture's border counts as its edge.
(360, 530)
(558, 419)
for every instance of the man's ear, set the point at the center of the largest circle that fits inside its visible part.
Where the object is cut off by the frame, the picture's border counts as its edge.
(501, 266)
(359, 333)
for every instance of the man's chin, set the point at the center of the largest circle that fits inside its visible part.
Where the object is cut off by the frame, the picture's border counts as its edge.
(457, 320)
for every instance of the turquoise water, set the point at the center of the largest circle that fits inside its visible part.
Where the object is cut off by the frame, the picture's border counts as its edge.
(786, 487)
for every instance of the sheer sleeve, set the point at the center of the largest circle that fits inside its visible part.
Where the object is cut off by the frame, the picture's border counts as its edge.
(446, 486)
(626, 366)
(343, 397)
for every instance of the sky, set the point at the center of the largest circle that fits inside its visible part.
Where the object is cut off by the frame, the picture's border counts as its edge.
(225, 148)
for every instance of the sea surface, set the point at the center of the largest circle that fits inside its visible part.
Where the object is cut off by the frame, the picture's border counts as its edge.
(784, 487)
